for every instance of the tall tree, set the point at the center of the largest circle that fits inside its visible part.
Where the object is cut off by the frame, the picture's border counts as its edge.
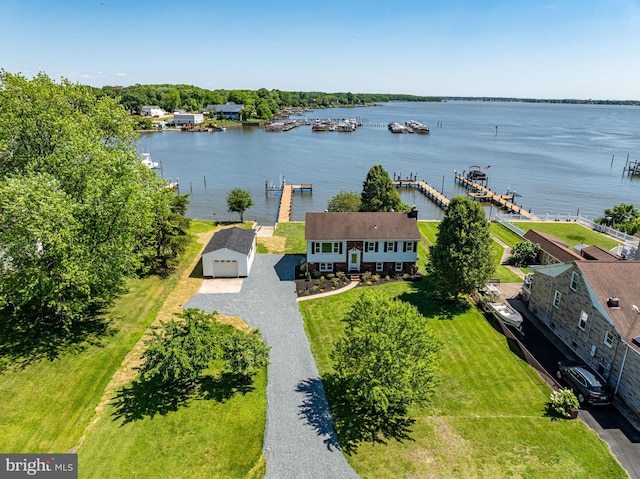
(345, 201)
(378, 193)
(238, 201)
(386, 361)
(75, 201)
(461, 259)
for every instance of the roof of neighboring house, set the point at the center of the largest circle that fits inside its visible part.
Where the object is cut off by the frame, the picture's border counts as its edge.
(617, 279)
(360, 226)
(229, 107)
(598, 253)
(235, 239)
(553, 246)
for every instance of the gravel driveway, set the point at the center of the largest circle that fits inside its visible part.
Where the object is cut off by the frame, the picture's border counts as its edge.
(300, 441)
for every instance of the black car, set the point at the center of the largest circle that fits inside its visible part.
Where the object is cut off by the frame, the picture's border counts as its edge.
(588, 386)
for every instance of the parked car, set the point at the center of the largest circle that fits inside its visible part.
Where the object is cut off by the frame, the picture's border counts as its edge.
(588, 386)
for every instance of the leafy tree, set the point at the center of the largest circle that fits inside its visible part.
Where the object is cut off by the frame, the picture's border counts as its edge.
(74, 189)
(378, 192)
(386, 361)
(461, 259)
(248, 112)
(181, 350)
(525, 253)
(238, 201)
(345, 201)
(244, 354)
(623, 217)
(264, 111)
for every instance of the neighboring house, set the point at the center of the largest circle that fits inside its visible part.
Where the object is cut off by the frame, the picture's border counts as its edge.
(229, 110)
(383, 243)
(229, 253)
(181, 119)
(594, 308)
(153, 111)
(552, 249)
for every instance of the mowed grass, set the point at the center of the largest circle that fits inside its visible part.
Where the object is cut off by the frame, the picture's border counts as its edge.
(429, 232)
(488, 415)
(50, 406)
(571, 233)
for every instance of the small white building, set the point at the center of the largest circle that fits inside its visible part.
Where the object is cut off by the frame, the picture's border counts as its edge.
(229, 254)
(153, 111)
(181, 119)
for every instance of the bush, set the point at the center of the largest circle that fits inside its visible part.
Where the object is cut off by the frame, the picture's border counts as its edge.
(562, 402)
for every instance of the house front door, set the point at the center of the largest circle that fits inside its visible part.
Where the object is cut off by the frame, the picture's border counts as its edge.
(354, 260)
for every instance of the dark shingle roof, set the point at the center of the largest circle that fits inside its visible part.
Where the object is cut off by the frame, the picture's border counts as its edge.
(360, 226)
(235, 239)
(617, 279)
(553, 246)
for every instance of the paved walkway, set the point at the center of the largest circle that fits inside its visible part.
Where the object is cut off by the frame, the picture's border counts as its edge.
(300, 441)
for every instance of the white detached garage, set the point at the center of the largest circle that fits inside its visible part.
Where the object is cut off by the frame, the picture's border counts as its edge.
(229, 254)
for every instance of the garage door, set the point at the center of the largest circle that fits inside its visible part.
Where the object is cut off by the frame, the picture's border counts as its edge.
(225, 268)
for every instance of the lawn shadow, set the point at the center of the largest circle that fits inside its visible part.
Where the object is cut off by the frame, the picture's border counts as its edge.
(23, 341)
(355, 426)
(430, 305)
(315, 409)
(197, 271)
(149, 397)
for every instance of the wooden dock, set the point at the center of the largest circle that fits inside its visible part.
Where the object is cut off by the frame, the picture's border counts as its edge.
(426, 189)
(286, 198)
(485, 194)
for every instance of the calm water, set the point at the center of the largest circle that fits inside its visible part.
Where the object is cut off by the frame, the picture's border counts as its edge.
(558, 157)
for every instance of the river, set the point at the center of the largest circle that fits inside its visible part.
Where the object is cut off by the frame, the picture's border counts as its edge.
(561, 158)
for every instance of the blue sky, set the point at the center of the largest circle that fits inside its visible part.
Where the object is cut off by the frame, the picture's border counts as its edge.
(557, 49)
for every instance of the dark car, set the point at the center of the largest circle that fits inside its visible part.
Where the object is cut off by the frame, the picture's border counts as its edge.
(588, 386)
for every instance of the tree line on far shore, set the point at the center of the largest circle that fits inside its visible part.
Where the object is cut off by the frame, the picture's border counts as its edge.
(261, 103)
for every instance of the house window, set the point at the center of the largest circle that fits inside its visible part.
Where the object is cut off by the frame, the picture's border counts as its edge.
(574, 281)
(391, 246)
(379, 266)
(408, 246)
(333, 247)
(582, 321)
(608, 339)
(556, 299)
(326, 267)
(398, 266)
(371, 246)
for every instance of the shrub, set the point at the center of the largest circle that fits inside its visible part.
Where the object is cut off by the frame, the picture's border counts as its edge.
(562, 402)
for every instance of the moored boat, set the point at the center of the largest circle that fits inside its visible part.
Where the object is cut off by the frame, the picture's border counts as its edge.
(145, 158)
(507, 314)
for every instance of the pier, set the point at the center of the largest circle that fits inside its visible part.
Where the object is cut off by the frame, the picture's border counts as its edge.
(286, 197)
(429, 191)
(482, 193)
(632, 168)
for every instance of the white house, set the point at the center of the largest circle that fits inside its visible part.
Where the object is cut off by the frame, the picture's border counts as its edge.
(383, 243)
(229, 253)
(181, 119)
(153, 111)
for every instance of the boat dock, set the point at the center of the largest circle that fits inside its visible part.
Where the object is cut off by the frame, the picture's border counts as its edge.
(286, 197)
(632, 168)
(424, 188)
(482, 193)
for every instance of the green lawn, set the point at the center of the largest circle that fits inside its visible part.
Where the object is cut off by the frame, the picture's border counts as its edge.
(505, 235)
(294, 234)
(48, 405)
(488, 415)
(429, 232)
(571, 233)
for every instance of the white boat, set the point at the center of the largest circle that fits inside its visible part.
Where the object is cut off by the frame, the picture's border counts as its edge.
(506, 314)
(145, 158)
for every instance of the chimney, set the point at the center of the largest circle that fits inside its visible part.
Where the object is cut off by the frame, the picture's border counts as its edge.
(413, 213)
(613, 302)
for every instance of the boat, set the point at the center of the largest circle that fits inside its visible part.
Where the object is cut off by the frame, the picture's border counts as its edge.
(417, 127)
(395, 127)
(476, 174)
(507, 314)
(145, 158)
